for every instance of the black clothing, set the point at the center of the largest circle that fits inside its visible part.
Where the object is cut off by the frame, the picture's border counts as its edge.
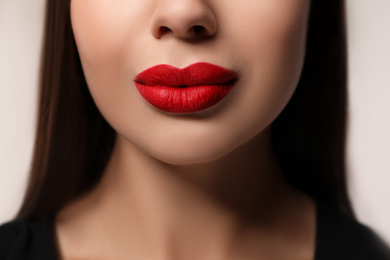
(337, 238)
(31, 239)
(341, 238)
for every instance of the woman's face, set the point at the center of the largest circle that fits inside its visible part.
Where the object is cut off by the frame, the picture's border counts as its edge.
(262, 41)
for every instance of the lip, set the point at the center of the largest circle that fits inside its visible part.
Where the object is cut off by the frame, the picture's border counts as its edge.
(191, 89)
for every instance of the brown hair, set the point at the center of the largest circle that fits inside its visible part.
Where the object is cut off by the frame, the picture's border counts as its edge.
(74, 142)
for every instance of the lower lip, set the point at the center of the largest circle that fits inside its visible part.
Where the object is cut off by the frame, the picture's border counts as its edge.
(186, 99)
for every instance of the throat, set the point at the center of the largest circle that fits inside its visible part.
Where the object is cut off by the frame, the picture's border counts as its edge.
(238, 206)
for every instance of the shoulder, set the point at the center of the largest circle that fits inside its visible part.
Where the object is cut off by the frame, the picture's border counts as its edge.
(342, 237)
(26, 239)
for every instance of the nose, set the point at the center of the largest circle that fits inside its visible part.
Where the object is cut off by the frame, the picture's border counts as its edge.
(184, 19)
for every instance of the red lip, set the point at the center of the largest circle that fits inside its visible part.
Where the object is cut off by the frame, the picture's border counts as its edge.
(191, 89)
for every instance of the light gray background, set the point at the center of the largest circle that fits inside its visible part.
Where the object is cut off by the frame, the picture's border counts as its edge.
(369, 88)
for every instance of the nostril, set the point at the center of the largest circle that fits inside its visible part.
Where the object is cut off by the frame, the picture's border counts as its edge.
(164, 30)
(198, 29)
(194, 32)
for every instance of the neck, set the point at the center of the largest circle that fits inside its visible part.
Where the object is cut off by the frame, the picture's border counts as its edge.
(238, 183)
(176, 210)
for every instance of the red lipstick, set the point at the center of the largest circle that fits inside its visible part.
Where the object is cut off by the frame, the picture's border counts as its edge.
(191, 89)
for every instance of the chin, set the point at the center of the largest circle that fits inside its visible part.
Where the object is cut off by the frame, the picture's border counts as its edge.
(182, 153)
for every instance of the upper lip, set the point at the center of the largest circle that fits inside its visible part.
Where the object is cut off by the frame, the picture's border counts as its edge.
(197, 74)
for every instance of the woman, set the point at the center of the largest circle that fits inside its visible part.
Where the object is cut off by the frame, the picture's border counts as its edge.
(173, 129)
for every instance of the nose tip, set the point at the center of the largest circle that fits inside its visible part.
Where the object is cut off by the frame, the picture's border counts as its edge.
(184, 19)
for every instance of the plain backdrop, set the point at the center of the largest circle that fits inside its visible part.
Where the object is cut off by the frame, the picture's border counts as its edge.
(368, 146)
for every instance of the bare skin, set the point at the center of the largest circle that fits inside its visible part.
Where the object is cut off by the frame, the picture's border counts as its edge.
(237, 207)
(195, 186)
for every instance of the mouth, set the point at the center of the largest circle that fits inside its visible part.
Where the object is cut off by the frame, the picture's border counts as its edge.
(188, 90)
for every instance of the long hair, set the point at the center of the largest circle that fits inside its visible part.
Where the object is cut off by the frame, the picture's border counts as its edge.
(309, 136)
(74, 142)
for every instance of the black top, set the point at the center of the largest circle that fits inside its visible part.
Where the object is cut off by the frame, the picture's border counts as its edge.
(337, 238)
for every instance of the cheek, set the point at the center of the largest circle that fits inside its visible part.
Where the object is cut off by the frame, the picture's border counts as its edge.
(104, 31)
(272, 52)
(96, 33)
